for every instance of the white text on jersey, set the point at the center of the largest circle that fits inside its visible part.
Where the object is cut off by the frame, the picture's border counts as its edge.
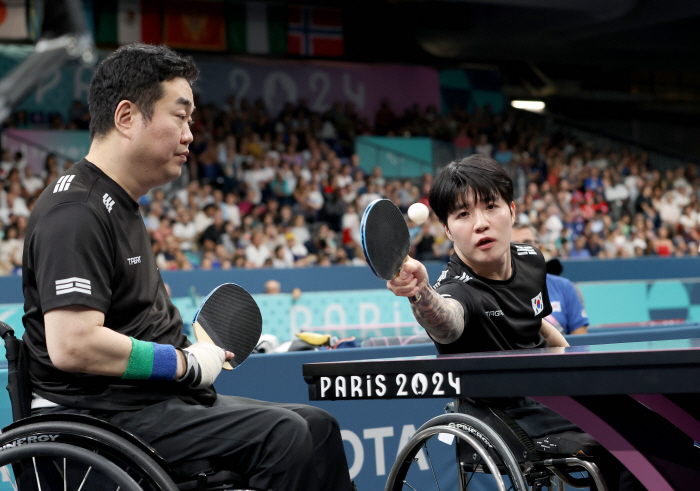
(134, 260)
(109, 202)
(494, 313)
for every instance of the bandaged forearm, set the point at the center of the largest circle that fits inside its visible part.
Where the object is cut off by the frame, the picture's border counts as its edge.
(204, 362)
(151, 361)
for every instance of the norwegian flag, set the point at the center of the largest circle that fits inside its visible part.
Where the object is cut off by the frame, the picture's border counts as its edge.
(315, 31)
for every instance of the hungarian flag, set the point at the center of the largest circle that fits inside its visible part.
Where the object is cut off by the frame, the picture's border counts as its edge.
(257, 28)
(128, 21)
(315, 31)
(13, 19)
(195, 25)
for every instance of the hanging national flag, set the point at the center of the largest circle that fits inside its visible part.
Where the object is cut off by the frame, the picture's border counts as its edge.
(128, 21)
(256, 28)
(13, 19)
(315, 31)
(195, 25)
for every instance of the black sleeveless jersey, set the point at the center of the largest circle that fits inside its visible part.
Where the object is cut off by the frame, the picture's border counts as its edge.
(86, 244)
(498, 315)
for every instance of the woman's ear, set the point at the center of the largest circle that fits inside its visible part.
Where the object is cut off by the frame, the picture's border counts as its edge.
(447, 231)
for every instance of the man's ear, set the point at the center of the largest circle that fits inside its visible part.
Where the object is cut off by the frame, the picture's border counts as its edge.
(512, 212)
(125, 118)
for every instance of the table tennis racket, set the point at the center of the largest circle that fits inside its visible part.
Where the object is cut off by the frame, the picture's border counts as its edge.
(230, 319)
(385, 239)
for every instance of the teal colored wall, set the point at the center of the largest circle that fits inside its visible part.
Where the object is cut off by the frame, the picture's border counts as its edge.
(397, 156)
(642, 301)
(618, 302)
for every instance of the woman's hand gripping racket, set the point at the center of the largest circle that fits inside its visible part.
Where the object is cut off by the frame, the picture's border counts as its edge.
(385, 240)
(230, 319)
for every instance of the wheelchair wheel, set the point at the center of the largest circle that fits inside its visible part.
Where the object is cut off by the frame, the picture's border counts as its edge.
(415, 468)
(58, 466)
(143, 469)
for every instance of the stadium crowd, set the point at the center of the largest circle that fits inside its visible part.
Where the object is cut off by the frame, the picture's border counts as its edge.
(287, 190)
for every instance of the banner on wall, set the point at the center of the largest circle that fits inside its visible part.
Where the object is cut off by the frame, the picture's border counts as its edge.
(321, 84)
(35, 145)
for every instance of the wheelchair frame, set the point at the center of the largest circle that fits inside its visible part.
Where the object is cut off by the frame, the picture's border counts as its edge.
(112, 444)
(499, 447)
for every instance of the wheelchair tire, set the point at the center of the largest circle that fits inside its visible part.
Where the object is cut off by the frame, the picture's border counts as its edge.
(142, 467)
(34, 458)
(482, 438)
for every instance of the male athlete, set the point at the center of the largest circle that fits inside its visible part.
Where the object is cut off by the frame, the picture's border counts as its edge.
(104, 337)
(493, 294)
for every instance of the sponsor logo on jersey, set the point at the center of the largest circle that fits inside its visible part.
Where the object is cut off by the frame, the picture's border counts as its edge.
(494, 313)
(556, 306)
(525, 249)
(63, 183)
(537, 303)
(134, 260)
(464, 277)
(443, 275)
(79, 285)
(109, 202)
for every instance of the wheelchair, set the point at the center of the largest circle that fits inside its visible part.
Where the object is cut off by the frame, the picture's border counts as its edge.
(488, 441)
(79, 452)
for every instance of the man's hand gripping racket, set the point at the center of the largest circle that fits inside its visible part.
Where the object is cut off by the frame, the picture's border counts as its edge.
(230, 319)
(385, 240)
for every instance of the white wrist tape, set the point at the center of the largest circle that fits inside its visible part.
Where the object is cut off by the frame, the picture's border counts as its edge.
(210, 358)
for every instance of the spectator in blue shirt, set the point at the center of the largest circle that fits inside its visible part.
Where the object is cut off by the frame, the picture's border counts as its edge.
(568, 313)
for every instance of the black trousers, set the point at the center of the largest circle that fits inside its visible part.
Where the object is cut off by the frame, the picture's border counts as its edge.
(279, 447)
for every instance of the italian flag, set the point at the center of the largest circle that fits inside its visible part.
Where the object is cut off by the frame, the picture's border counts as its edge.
(256, 28)
(128, 21)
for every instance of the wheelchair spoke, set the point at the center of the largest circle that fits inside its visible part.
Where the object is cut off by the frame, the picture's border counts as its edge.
(36, 473)
(473, 472)
(6, 477)
(85, 478)
(431, 465)
(414, 489)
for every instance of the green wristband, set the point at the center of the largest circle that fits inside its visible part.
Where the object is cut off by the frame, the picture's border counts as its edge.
(140, 361)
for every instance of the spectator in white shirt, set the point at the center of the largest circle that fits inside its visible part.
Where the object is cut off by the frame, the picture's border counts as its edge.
(256, 253)
(669, 211)
(31, 182)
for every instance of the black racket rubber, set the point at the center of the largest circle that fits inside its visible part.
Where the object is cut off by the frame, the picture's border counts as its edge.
(232, 319)
(385, 238)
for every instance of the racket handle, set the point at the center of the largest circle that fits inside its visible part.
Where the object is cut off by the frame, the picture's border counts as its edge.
(415, 299)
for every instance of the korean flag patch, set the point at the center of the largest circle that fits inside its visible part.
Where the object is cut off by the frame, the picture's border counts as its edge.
(537, 303)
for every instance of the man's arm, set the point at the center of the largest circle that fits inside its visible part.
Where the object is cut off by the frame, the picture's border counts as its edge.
(552, 335)
(442, 318)
(77, 341)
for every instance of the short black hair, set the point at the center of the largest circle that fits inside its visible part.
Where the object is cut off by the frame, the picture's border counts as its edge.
(477, 173)
(134, 72)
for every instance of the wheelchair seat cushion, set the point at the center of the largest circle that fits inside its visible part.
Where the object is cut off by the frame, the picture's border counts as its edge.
(570, 443)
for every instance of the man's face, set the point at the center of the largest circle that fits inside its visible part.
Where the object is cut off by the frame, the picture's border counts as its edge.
(481, 232)
(161, 143)
(523, 236)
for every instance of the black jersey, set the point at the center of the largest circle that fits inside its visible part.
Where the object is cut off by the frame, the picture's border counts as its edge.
(86, 244)
(498, 315)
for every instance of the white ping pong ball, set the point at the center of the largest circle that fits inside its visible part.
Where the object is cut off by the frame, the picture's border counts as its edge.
(418, 212)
